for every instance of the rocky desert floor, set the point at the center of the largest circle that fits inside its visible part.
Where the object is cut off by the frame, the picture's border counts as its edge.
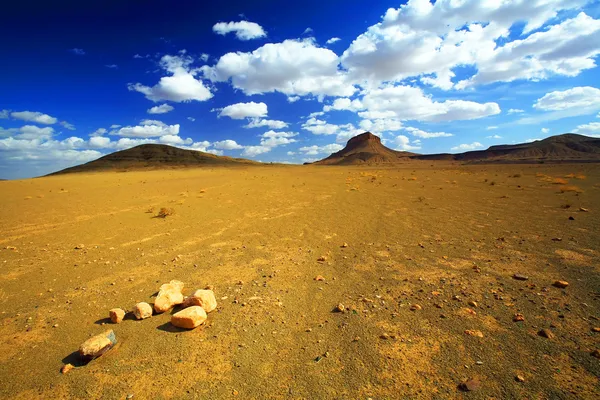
(421, 257)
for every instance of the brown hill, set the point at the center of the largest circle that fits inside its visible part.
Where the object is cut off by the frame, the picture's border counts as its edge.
(365, 148)
(155, 156)
(568, 147)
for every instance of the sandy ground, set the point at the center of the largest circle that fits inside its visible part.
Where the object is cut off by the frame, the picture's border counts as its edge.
(448, 238)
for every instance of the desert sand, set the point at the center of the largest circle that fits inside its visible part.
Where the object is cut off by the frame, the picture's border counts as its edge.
(421, 256)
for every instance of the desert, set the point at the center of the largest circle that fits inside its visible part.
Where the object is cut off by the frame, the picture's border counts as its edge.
(431, 263)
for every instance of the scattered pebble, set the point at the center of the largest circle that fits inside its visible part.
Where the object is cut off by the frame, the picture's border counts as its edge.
(345, 245)
(520, 277)
(339, 308)
(519, 378)
(475, 333)
(66, 368)
(97, 345)
(547, 333)
(142, 310)
(518, 318)
(561, 284)
(415, 307)
(472, 303)
(116, 315)
(596, 329)
(189, 318)
(79, 246)
(596, 353)
(571, 218)
(583, 209)
(319, 278)
(470, 385)
(322, 259)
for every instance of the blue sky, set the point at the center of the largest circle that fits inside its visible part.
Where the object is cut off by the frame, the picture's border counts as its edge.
(291, 82)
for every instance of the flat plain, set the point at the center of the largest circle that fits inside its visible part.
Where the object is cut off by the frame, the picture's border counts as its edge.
(422, 257)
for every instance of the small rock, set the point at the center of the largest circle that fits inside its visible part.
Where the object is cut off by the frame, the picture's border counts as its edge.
(571, 218)
(79, 246)
(116, 315)
(560, 284)
(583, 209)
(519, 378)
(189, 318)
(547, 333)
(95, 346)
(557, 239)
(470, 385)
(319, 278)
(472, 303)
(474, 333)
(384, 336)
(203, 298)
(596, 329)
(322, 259)
(339, 308)
(596, 353)
(520, 277)
(142, 310)
(169, 295)
(518, 318)
(66, 368)
(415, 307)
(345, 245)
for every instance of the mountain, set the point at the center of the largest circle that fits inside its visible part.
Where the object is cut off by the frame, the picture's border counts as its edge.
(365, 148)
(155, 156)
(567, 147)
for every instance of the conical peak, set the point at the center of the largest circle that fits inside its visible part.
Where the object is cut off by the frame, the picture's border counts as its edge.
(364, 137)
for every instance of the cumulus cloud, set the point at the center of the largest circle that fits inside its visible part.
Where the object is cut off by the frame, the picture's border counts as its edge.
(180, 86)
(274, 139)
(326, 149)
(515, 111)
(467, 147)
(67, 125)
(253, 151)
(429, 40)
(292, 67)
(344, 103)
(244, 30)
(545, 131)
(585, 97)
(162, 109)
(402, 143)
(426, 135)
(333, 40)
(150, 129)
(260, 123)
(33, 116)
(381, 125)
(591, 129)
(320, 127)
(244, 110)
(227, 145)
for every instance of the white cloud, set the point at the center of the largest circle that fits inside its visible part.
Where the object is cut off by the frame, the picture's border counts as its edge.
(162, 109)
(427, 135)
(381, 125)
(591, 129)
(31, 132)
(515, 111)
(99, 132)
(180, 86)
(4, 114)
(410, 103)
(272, 124)
(112, 66)
(292, 67)
(191, 119)
(79, 52)
(291, 153)
(326, 149)
(402, 143)
(147, 131)
(67, 125)
(152, 122)
(429, 40)
(319, 127)
(491, 128)
(545, 130)
(253, 151)
(227, 145)
(344, 103)
(274, 139)
(115, 126)
(32, 116)
(293, 99)
(494, 137)
(585, 97)
(244, 110)
(244, 30)
(99, 142)
(333, 40)
(467, 147)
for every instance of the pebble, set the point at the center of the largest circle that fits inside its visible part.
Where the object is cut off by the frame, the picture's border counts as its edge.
(319, 278)
(203, 298)
(169, 295)
(596, 329)
(345, 245)
(79, 247)
(583, 209)
(520, 277)
(189, 318)
(547, 333)
(518, 318)
(66, 368)
(560, 284)
(596, 353)
(142, 310)
(472, 303)
(519, 378)
(339, 308)
(116, 315)
(571, 218)
(471, 332)
(322, 258)
(470, 385)
(415, 307)
(97, 345)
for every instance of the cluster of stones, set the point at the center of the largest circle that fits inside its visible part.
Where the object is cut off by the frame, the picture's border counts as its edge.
(193, 314)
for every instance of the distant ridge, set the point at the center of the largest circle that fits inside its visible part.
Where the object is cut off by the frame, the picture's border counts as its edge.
(366, 148)
(155, 156)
